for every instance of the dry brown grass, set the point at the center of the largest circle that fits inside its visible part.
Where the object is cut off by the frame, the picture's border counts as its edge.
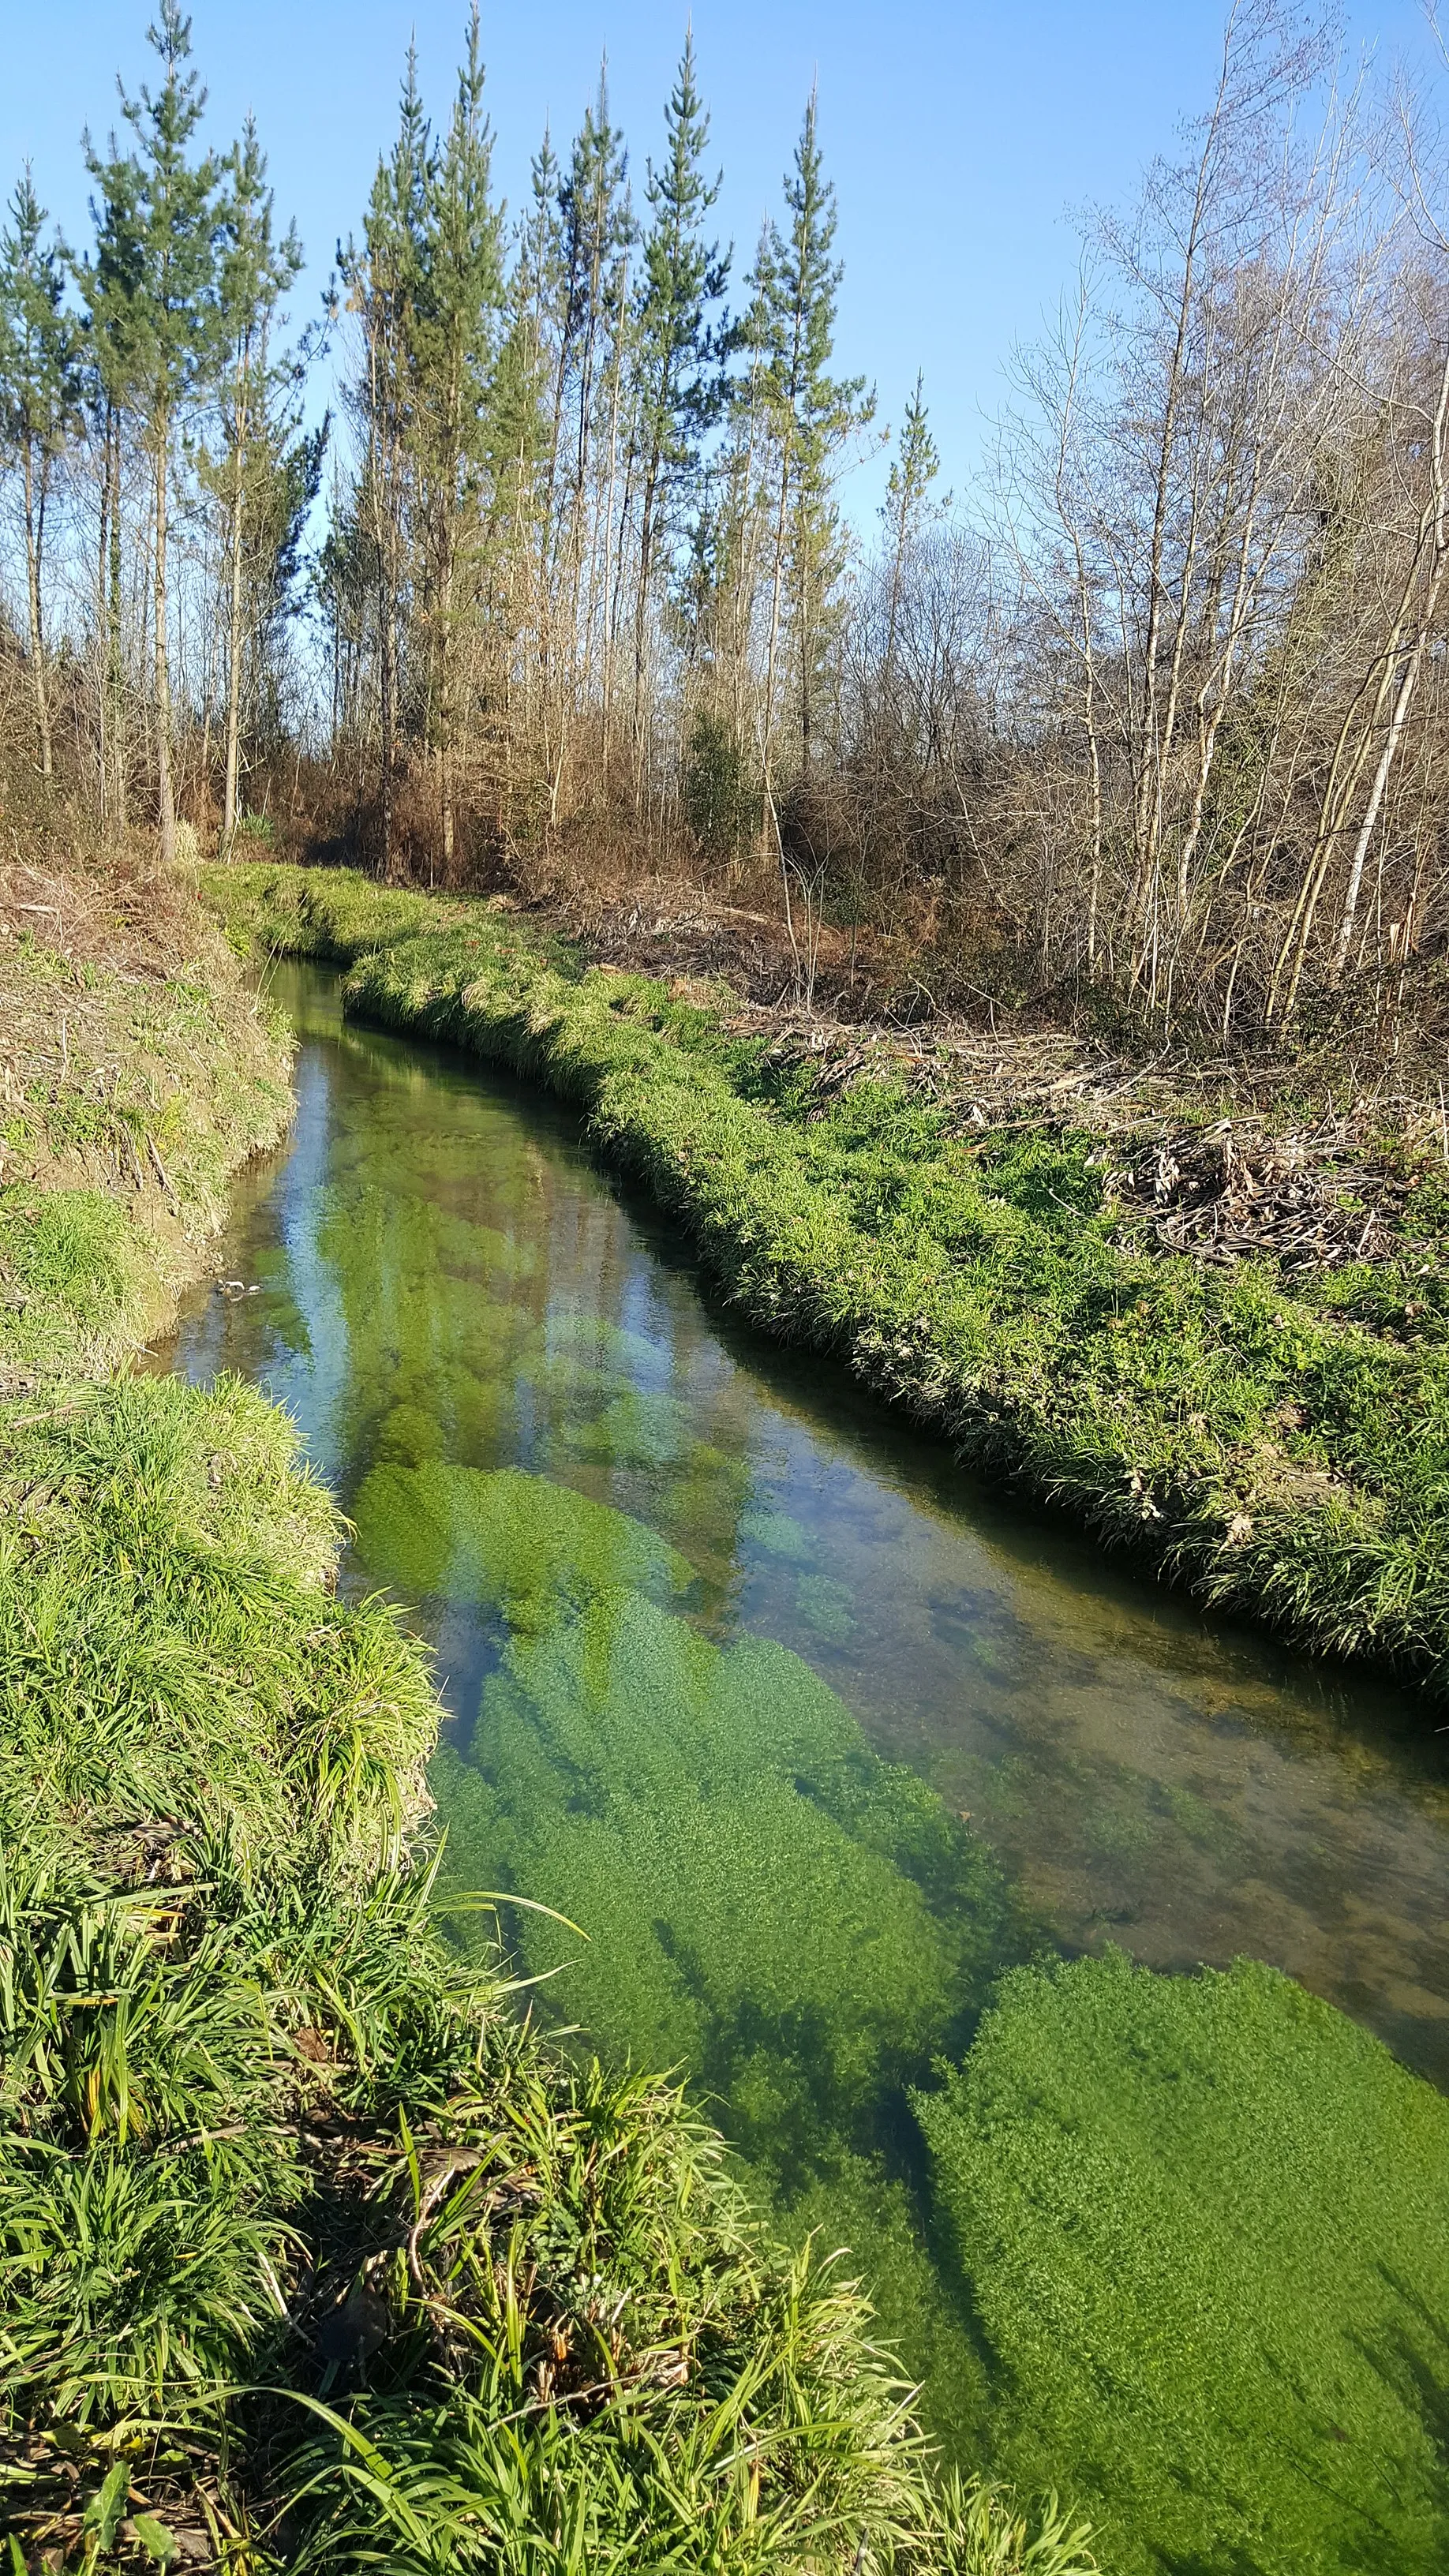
(136, 1068)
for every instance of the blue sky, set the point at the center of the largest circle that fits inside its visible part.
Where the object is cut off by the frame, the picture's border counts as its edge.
(959, 136)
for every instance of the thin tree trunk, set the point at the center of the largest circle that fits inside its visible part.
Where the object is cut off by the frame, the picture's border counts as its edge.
(165, 783)
(115, 666)
(641, 623)
(103, 733)
(1437, 530)
(34, 539)
(234, 627)
(609, 562)
(776, 584)
(446, 646)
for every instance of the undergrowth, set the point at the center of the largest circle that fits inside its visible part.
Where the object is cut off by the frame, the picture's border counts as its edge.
(135, 1075)
(1267, 1447)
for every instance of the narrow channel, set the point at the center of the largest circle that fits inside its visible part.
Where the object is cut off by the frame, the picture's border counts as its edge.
(479, 1338)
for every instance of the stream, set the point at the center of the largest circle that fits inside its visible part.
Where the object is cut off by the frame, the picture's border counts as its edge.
(807, 1731)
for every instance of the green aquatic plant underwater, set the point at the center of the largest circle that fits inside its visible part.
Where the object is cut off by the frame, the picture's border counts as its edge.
(1179, 2242)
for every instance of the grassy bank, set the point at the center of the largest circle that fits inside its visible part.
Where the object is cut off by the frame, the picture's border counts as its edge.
(312, 2254)
(1277, 1443)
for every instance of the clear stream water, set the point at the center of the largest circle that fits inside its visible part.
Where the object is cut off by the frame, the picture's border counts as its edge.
(684, 1588)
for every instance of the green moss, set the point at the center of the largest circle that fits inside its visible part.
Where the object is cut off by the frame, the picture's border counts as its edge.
(1205, 2224)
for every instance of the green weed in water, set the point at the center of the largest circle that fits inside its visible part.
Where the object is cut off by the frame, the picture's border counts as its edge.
(824, 1605)
(499, 1537)
(1205, 2224)
(798, 1925)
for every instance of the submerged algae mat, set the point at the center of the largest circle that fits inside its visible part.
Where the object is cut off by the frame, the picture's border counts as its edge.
(809, 1737)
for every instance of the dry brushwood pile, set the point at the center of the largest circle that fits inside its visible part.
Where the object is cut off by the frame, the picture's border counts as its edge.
(1307, 1200)
(1270, 1181)
(1303, 1165)
(662, 927)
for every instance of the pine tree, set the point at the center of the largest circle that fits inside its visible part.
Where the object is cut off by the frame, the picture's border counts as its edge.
(809, 414)
(525, 424)
(598, 235)
(452, 348)
(157, 317)
(914, 469)
(382, 280)
(41, 387)
(681, 350)
(258, 418)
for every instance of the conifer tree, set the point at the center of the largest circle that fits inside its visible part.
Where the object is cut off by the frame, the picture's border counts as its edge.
(524, 420)
(452, 348)
(914, 469)
(598, 233)
(257, 416)
(681, 350)
(40, 399)
(157, 316)
(382, 279)
(810, 416)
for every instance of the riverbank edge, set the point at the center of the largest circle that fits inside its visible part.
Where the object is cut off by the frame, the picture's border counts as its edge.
(109, 1478)
(1319, 1562)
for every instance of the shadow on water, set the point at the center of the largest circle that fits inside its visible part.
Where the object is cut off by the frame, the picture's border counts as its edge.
(808, 1730)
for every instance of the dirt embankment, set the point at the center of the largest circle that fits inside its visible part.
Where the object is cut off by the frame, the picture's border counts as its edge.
(137, 1071)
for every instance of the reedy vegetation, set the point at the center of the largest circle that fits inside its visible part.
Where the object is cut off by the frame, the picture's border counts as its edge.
(1147, 726)
(1278, 1449)
(310, 2249)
